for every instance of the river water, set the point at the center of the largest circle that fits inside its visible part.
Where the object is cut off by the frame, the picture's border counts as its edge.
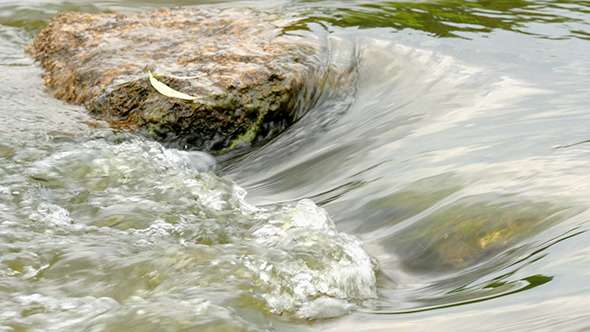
(438, 179)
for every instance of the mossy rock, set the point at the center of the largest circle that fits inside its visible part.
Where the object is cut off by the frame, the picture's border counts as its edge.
(254, 72)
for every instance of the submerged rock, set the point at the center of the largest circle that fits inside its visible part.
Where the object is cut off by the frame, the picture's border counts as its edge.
(254, 72)
(473, 230)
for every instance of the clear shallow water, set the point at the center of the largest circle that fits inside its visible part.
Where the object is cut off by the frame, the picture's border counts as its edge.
(445, 149)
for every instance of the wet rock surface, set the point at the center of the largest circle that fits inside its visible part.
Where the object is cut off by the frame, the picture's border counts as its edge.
(253, 72)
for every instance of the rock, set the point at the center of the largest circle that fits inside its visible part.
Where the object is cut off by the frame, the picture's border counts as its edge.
(472, 231)
(254, 72)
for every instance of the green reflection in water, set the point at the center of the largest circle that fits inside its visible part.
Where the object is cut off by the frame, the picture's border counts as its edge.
(454, 18)
(474, 295)
(34, 18)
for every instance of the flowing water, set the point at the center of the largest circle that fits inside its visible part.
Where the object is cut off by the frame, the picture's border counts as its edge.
(438, 179)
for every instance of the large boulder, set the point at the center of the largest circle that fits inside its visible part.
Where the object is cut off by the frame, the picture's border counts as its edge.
(253, 72)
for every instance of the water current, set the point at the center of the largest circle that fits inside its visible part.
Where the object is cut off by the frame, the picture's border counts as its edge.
(437, 179)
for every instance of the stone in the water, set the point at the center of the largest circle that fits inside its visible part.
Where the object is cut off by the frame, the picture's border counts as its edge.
(254, 72)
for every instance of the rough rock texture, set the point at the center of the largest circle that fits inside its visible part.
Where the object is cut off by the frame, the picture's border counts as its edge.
(248, 95)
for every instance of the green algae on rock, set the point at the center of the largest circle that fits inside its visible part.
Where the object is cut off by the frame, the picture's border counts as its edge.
(253, 72)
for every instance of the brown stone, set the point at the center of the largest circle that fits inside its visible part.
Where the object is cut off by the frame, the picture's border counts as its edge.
(254, 72)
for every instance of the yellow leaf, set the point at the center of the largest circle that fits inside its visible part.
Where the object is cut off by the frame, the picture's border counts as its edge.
(168, 91)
